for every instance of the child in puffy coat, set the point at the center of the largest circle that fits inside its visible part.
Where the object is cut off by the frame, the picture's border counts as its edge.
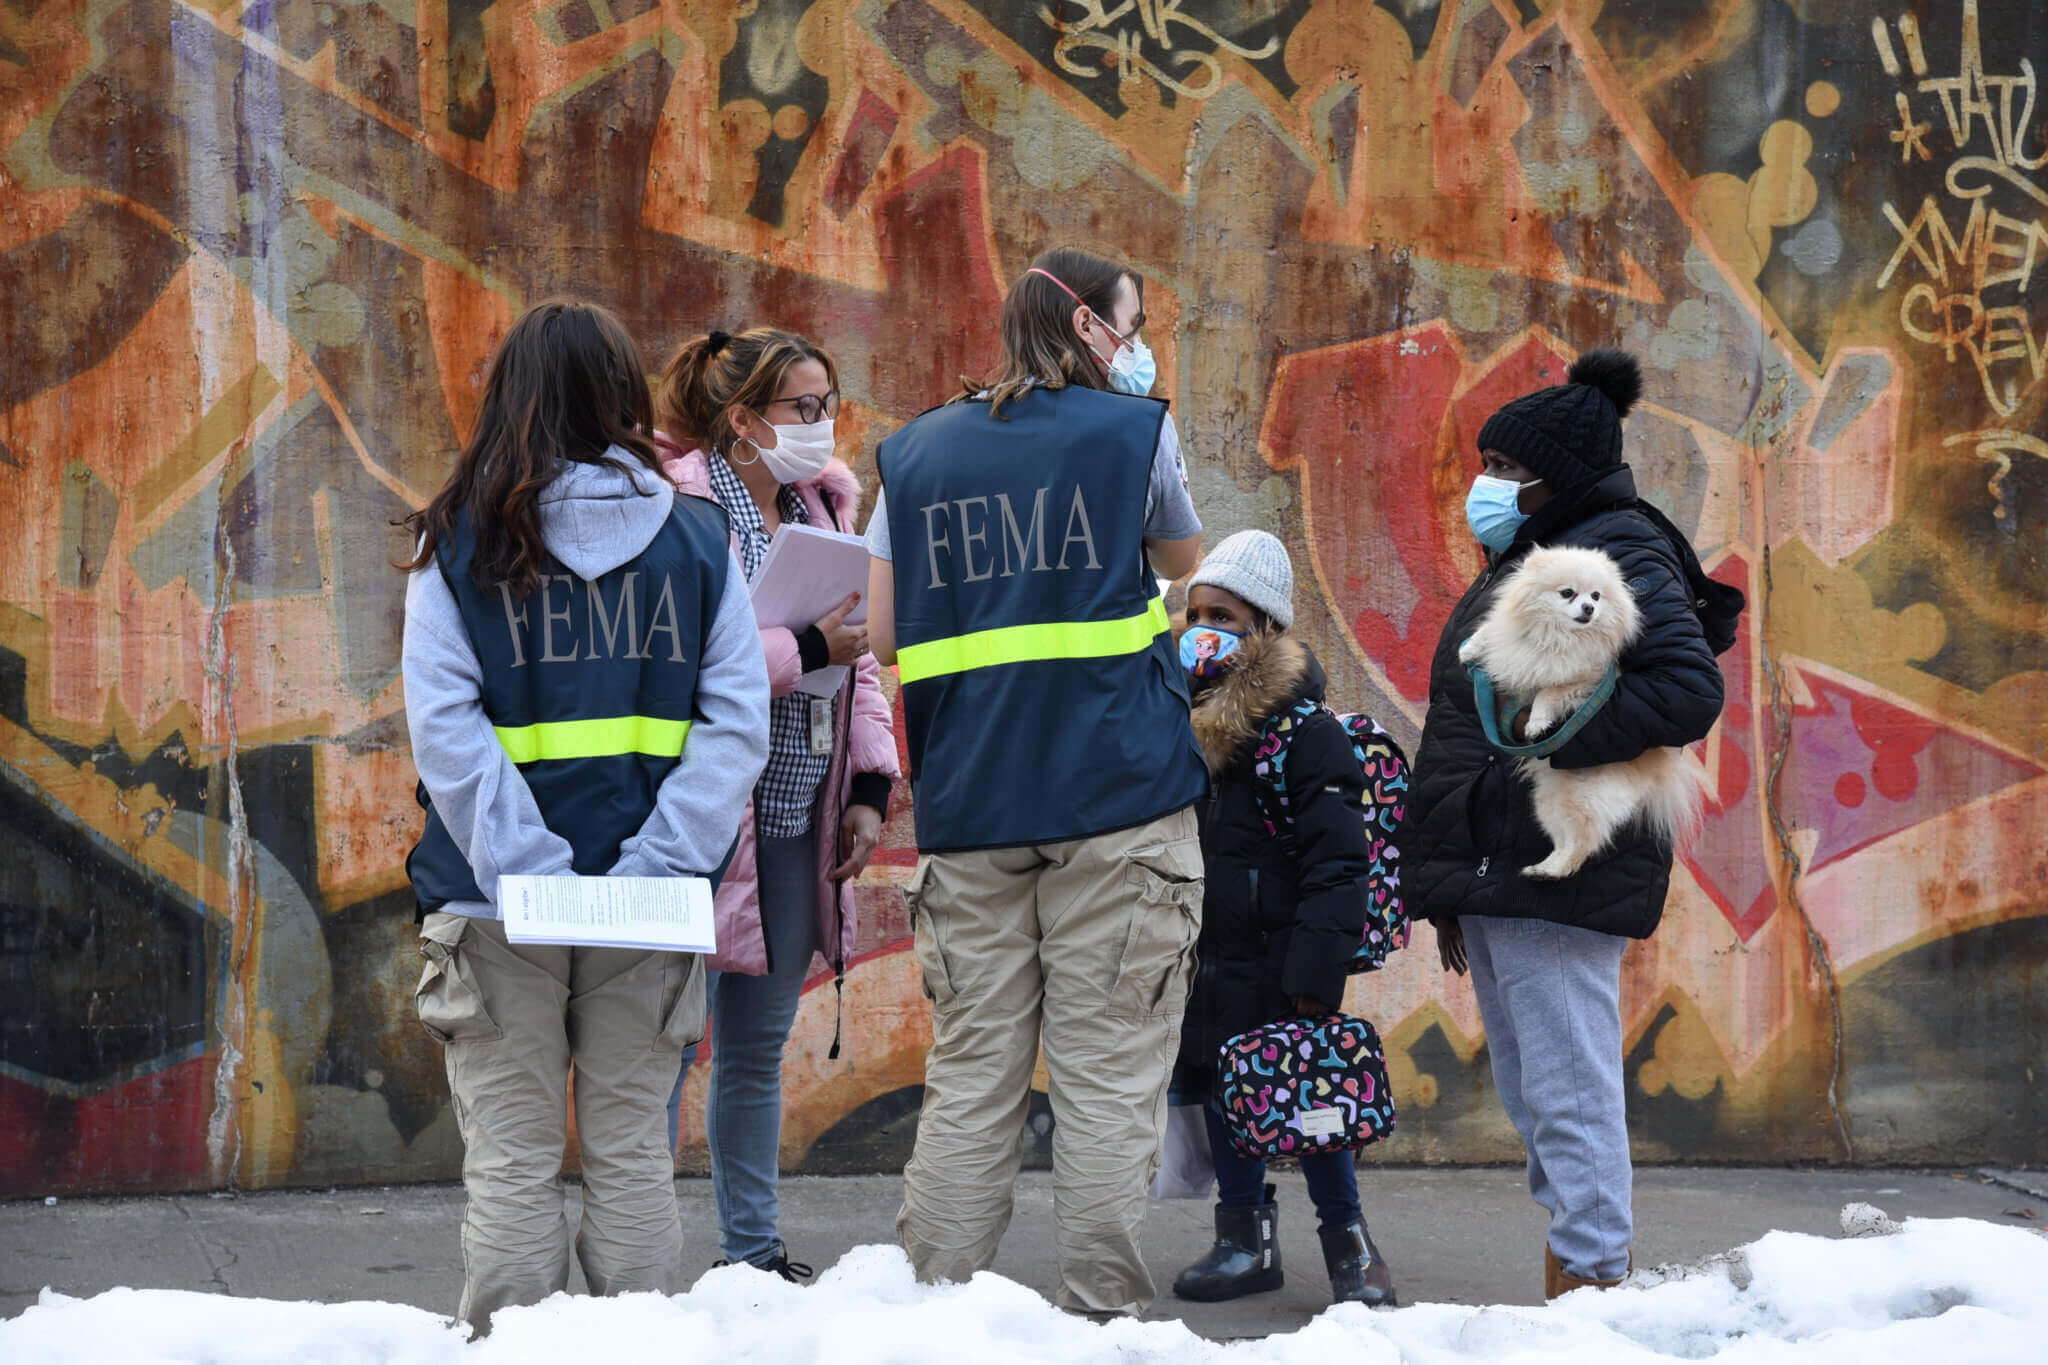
(1283, 911)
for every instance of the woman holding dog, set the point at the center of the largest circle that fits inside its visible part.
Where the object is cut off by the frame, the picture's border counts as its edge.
(1545, 955)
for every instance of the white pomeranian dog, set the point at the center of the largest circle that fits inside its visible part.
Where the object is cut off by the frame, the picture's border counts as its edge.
(1554, 627)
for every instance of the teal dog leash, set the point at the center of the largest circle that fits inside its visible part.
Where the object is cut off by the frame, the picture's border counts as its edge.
(1494, 720)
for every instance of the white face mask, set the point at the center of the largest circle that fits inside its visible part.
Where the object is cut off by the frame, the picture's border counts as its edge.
(800, 452)
(1134, 370)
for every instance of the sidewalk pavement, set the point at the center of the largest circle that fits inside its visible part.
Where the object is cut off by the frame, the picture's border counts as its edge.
(1451, 1234)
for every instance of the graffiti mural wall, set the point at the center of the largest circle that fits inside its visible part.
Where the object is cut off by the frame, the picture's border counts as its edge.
(254, 258)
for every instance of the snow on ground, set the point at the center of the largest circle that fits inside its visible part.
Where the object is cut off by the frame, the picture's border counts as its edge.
(1947, 1291)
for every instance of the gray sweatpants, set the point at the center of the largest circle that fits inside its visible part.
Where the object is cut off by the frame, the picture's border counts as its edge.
(1550, 996)
(512, 1018)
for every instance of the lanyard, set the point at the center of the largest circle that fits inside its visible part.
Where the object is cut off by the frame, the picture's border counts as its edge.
(1494, 721)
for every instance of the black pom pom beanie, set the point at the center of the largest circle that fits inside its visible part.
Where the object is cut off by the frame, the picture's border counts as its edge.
(1569, 435)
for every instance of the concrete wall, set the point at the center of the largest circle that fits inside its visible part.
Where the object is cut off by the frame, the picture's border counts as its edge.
(253, 260)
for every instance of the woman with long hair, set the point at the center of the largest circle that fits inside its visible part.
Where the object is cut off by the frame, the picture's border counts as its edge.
(747, 421)
(586, 698)
(1015, 554)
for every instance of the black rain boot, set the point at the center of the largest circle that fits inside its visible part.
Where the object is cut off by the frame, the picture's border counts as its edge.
(1358, 1274)
(1245, 1259)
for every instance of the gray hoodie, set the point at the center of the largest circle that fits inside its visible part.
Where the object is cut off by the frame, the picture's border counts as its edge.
(594, 518)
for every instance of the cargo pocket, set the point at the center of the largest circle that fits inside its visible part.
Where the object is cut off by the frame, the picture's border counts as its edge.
(685, 1001)
(450, 1006)
(1158, 961)
(935, 976)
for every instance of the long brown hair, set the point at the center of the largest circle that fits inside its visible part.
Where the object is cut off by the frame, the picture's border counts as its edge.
(710, 374)
(566, 387)
(1040, 345)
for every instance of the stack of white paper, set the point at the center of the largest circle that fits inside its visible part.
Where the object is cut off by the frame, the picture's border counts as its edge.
(671, 914)
(807, 573)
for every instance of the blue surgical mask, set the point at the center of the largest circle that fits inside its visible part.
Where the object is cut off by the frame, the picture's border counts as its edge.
(1133, 371)
(1204, 648)
(1493, 510)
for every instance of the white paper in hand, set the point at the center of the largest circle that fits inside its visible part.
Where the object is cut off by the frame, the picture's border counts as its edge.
(671, 914)
(807, 573)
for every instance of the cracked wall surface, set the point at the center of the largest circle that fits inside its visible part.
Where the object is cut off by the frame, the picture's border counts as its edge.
(255, 258)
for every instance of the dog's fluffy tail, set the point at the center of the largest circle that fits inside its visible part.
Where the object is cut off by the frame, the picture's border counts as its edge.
(1675, 803)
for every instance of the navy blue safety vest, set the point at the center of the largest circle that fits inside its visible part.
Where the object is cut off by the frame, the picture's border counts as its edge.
(591, 685)
(1040, 685)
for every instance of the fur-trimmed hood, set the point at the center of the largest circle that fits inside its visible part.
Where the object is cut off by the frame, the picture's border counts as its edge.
(690, 470)
(1273, 670)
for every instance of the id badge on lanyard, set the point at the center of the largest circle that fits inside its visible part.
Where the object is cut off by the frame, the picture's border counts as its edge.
(821, 726)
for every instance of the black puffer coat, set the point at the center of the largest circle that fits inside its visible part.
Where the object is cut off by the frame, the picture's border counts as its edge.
(1281, 916)
(1471, 829)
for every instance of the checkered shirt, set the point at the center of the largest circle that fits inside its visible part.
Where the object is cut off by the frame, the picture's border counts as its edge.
(788, 789)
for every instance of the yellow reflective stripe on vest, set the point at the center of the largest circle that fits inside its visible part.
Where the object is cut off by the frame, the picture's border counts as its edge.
(599, 738)
(1022, 644)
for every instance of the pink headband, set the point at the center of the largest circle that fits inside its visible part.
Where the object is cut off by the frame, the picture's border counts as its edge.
(1034, 270)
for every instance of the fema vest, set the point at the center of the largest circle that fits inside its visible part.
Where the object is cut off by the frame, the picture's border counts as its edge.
(590, 684)
(1042, 694)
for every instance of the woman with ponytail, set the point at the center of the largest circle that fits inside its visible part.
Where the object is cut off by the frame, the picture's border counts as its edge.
(746, 420)
(1015, 557)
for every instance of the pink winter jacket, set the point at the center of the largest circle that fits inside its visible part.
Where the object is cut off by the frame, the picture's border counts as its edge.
(863, 742)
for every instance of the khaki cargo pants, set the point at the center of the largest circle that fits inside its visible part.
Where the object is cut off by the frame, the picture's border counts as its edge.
(1089, 945)
(512, 1019)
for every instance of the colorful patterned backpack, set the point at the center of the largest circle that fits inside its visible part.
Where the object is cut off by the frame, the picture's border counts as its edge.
(1302, 1086)
(1386, 802)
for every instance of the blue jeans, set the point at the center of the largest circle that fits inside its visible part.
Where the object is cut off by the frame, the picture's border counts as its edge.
(750, 1022)
(1241, 1181)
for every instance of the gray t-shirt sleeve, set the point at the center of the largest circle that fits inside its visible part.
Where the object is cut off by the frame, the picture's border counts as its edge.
(1169, 510)
(877, 538)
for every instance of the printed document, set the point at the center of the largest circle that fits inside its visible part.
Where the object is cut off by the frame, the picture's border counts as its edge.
(671, 914)
(807, 573)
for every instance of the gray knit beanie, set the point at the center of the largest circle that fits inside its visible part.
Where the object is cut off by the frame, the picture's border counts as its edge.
(1252, 565)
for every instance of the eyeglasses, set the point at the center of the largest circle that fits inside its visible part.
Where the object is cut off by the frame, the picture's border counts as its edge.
(810, 407)
(1123, 339)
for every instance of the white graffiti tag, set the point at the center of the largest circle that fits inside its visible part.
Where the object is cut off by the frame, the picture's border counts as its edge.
(1970, 299)
(1100, 27)
(1996, 448)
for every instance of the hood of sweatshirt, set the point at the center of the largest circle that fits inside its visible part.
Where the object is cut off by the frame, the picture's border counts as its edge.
(595, 517)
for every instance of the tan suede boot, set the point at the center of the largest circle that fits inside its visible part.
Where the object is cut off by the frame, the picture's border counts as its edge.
(1556, 1283)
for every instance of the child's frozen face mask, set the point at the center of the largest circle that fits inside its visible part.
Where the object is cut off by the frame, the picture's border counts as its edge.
(1204, 650)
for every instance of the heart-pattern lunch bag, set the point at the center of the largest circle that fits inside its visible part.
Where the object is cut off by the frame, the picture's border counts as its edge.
(1301, 1086)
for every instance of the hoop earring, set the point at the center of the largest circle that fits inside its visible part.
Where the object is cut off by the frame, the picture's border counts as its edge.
(730, 453)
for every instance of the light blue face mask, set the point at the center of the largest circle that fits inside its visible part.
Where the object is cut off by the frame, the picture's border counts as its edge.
(1494, 512)
(1204, 648)
(1133, 371)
